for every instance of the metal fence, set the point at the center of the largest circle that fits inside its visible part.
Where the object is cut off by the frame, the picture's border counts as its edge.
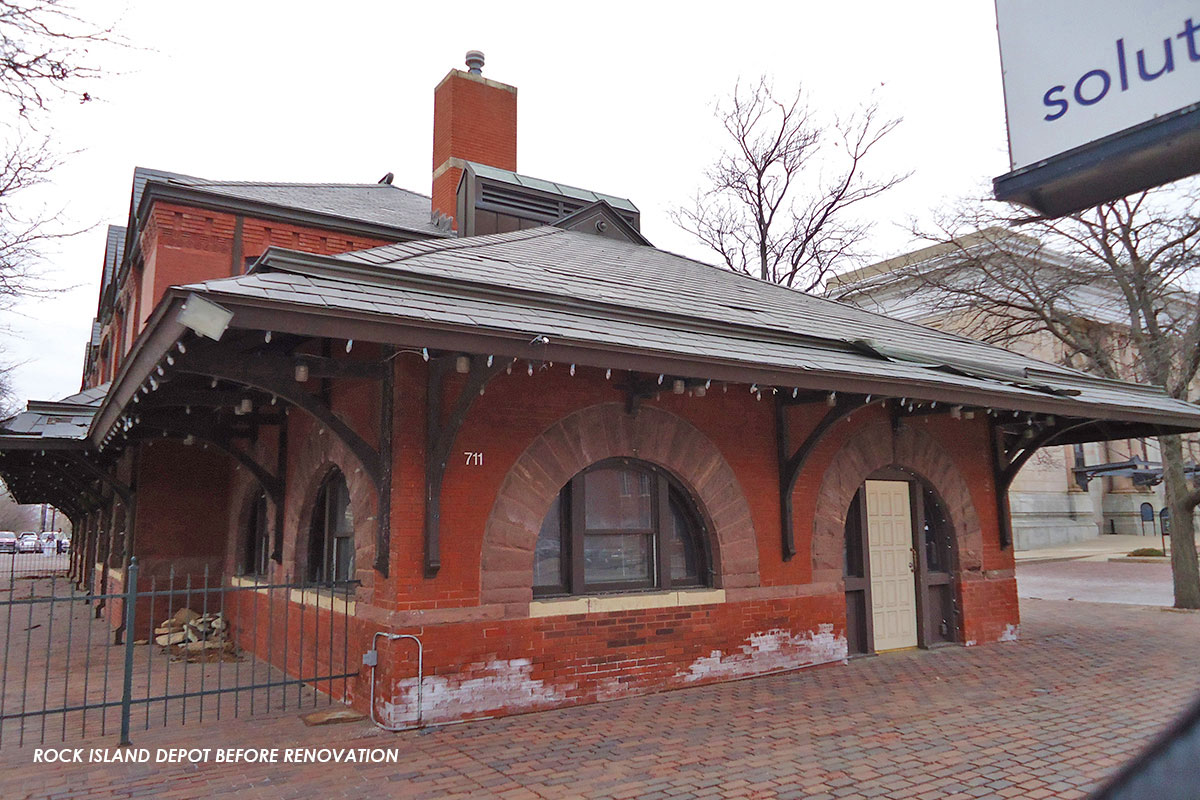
(27, 563)
(189, 647)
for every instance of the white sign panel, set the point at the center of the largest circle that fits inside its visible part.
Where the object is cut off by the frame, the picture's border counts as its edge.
(1079, 70)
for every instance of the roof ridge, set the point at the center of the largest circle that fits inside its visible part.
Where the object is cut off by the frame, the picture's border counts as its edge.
(307, 185)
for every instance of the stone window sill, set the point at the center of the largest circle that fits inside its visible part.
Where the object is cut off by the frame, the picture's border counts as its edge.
(318, 598)
(597, 604)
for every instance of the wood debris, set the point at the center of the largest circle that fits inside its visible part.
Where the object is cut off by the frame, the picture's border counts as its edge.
(190, 636)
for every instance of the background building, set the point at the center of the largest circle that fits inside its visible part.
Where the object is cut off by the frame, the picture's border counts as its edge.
(1064, 493)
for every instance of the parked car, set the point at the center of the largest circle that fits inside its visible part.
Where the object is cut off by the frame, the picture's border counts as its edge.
(29, 543)
(8, 542)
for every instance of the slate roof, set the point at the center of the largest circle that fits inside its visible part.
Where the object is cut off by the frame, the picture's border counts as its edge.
(68, 418)
(584, 289)
(114, 252)
(374, 203)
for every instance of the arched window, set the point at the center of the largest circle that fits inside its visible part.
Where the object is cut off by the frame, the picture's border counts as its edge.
(256, 548)
(331, 538)
(619, 525)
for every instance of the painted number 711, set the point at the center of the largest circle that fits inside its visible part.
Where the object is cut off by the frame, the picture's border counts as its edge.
(473, 459)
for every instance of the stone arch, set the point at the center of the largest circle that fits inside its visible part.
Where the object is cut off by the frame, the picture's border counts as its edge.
(320, 453)
(873, 448)
(594, 434)
(242, 496)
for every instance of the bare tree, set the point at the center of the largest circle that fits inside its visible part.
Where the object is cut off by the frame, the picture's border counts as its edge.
(1115, 286)
(781, 196)
(15, 517)
(45, 57)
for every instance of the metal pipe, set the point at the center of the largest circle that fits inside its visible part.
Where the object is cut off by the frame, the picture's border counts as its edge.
(420, 681)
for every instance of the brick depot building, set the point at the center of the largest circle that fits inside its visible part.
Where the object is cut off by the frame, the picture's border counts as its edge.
(575, 466)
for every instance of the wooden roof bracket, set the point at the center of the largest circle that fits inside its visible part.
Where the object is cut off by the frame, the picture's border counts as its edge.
(119, 487)
(387, 404)
(276, 375)
(271, 483)
(1007, 462)
(791, 463)
(439, 439)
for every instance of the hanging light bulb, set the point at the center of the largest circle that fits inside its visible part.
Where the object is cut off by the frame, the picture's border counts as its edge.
(267, 337)
(349, 345)
(572, 370)
(607, 374)
(425, 353)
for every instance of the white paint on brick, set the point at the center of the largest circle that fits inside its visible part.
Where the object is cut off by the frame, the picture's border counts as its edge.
(769, 651)
(1011, 633)
(507, 685)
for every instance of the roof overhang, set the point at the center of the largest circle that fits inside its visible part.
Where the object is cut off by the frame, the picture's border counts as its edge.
(164, 331)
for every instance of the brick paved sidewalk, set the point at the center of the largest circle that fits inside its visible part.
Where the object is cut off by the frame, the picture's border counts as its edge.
(1046, 717)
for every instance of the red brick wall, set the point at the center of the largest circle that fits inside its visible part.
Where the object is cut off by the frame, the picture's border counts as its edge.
(485, 655)
(184, 244)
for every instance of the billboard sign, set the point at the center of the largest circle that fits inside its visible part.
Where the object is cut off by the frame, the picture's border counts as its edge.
(1108, 77)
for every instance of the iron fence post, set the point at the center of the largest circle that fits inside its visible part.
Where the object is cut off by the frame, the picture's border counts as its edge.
(131, 582)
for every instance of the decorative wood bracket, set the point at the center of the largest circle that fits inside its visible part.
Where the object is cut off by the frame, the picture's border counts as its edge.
(119, 487)
(276, 375)
(791, 463)
(636, 390)
(387, 395)
(271, 483)
(439, 439)
(1016, 456)
(1008, 462)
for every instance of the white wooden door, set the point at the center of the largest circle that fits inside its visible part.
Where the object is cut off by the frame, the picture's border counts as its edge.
(893, 588)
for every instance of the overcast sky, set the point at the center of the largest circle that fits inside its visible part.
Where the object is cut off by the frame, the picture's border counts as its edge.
(615, 97)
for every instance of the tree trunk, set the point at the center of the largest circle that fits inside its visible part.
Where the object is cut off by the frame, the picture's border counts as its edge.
(1184, 567)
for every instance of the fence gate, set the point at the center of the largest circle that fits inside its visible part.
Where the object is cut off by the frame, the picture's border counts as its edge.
(174, 650)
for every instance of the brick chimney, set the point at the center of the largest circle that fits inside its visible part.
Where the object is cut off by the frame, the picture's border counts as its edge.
(474, 119)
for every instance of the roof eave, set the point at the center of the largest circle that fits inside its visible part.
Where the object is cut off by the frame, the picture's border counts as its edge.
(284, 317)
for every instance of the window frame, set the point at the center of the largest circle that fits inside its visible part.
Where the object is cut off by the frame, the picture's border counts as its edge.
(257, 530)
(328, 536)
(573, 532)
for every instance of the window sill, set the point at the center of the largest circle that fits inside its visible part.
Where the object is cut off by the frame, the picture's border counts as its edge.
(597, 604)
(319, 598)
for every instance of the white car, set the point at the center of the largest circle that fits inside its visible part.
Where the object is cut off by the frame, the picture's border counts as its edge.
(29, 543)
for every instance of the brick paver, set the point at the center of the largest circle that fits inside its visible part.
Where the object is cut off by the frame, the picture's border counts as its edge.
(1084, 689)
